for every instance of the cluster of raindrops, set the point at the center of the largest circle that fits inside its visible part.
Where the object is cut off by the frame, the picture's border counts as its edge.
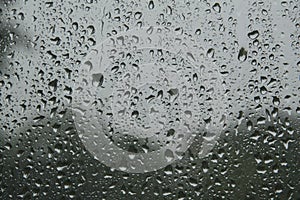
(249, 49)
(138, 85)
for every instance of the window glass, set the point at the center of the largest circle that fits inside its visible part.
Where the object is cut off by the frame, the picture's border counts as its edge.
(145, 99)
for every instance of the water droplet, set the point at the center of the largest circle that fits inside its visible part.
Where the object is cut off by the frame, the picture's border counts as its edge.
(138, 15)
(210, 53)
(169, 155)
(217, 8)
(97, 79)
(151, 5)
(253, 35)
(169, 10)
(198, 32)
(242, 56)
(75, 26)
(135, 114)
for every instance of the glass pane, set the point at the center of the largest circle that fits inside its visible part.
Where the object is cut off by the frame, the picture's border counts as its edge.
(149, 99)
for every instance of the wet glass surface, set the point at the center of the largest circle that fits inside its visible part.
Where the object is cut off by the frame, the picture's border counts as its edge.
(149, 99)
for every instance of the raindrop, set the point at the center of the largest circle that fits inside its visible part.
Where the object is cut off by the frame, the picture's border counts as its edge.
(169, 10)
(253, 35)
(263, 90)
(249, 125)
(138, 15)
(88, 65)
(198, 32)
(173, 92)
(53, 85)
(191, 57)
(97, 79)
(170, 132)
(135, 114)
(75, 26)
(169, 155)
(242, 56)
(188, 113)
(264, 12)
(91, 29)
(217, 8)
(276, 101)
(210, 53)
(151, 5)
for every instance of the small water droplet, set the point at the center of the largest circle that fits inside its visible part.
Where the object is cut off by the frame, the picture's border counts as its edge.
(138, 15)
(253, 35)
(97, 79)
(217, 8)
(198, 32)
(169, 10)
(210, 53)
(169, 155)
(151, 5)
(242, 56)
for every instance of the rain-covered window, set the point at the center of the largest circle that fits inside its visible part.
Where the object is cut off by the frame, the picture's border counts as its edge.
(149, 99)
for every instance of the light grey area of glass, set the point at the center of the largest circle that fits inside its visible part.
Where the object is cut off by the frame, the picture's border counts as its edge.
(145, 86)
(251, 46)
